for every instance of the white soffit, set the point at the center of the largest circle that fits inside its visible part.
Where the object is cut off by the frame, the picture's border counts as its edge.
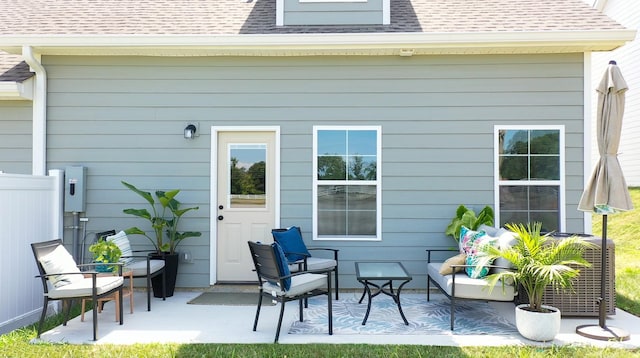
(10, 91)
(323, 44)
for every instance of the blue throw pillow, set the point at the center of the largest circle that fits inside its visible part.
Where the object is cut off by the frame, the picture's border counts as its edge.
(291, 242)
(282, 264)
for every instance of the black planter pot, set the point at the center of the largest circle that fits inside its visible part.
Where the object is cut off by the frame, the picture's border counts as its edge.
(170, 271)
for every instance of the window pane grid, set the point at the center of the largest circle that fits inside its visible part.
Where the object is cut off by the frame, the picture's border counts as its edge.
(529, 176)
(347, 202)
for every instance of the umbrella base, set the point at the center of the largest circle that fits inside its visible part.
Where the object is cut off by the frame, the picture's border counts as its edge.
(605, 333)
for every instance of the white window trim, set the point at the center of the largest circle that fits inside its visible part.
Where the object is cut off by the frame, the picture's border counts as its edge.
(560, 182)
(315, 183)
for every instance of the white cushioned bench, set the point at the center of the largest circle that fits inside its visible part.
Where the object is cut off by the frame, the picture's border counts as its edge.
(461, 286)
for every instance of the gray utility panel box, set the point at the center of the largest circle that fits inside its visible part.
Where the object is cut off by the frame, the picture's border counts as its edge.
(75, 189)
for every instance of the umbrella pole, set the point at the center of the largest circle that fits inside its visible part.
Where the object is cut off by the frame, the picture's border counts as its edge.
(601, 331)
(602, 302)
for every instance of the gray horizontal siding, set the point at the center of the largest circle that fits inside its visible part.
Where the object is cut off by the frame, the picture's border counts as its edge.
(15, 137)
(332, 13)
(123, 117)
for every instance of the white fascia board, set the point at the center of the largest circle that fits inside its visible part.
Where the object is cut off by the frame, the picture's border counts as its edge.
(299, 44)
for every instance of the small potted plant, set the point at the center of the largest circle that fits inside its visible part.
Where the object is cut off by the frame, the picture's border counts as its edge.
(538, 261)
(105, 252)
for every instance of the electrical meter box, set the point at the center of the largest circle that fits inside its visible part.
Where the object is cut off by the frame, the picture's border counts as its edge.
(75, 188)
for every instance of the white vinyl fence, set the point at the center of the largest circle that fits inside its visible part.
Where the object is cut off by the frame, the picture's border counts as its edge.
(30, 211)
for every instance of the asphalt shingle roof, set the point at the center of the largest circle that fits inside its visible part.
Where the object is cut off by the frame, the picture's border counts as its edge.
(12, 68)
(202, 17)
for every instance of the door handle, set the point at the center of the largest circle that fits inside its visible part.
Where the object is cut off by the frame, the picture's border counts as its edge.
(220, 217)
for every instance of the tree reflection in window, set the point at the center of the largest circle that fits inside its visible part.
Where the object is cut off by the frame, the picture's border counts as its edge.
(247, 173)
(347, 201)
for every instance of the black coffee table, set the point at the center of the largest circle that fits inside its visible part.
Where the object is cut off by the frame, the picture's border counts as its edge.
(381, 271)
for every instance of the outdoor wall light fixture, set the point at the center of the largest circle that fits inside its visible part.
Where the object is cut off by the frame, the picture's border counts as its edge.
(190, 131)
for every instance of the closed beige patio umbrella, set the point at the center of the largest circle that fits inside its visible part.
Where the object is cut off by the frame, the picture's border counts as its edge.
(606, 192)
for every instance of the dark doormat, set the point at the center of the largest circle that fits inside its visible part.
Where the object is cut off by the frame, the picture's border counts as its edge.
(230, 299)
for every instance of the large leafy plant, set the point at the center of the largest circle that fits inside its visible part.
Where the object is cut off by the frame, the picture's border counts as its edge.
(164, 219)
(468, 218)
(538, 261)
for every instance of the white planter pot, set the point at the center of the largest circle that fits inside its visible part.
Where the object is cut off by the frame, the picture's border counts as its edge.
(538, 326)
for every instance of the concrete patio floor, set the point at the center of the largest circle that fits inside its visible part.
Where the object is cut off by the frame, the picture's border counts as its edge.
(175, 321)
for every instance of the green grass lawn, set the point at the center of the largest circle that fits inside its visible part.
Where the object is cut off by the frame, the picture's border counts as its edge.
(622, 228)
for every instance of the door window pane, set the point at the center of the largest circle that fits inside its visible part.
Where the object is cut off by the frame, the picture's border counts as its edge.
(247, 175)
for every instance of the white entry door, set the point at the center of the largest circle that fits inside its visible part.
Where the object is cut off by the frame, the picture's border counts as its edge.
(246, 199)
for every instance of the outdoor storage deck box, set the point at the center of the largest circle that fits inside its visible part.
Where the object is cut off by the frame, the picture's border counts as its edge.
(584, 302)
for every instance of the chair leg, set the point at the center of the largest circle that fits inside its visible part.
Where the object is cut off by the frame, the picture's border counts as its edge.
(279, 321)
(453, 310)
(43, 315)
(120, 292)
(255, 322)
(428, 288)
(82, 310)
(337, 286)
(148, 292)
(306, 304)
(66, 308)
(95, 320)
(164, 285)
(329, 304)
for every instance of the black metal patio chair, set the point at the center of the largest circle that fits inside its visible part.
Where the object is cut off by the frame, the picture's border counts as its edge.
(63, 280)
(277, 283)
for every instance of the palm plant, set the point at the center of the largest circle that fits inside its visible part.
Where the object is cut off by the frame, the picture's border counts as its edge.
(538, 261)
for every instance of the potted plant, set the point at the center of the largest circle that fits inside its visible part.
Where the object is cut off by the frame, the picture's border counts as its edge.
(467, 217)
(106, 252)
(164, 219)
(538, 261)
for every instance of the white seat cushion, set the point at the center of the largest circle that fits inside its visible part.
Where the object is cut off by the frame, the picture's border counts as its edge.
(84, 287)
(299, 284)
(139, 267)
(467, 287)
(315, 263)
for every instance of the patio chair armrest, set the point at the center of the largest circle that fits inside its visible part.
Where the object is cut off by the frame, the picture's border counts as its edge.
(62, 273)
(297, 253)
(94, 264)
(487, 266)
(319, 271)
(429, 251)
(335, 251)
(134, 256)
(150, 251)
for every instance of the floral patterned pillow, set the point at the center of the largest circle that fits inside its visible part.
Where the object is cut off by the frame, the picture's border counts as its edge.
(467, 239)
(475, 253)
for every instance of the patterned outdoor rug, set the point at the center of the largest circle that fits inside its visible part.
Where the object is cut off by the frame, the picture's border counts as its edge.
(472, 317)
